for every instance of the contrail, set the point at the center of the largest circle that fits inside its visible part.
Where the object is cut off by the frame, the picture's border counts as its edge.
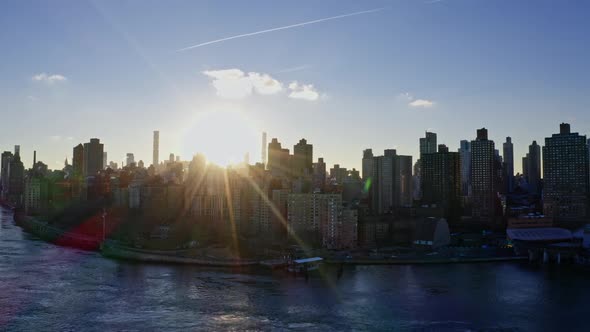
(280, 28)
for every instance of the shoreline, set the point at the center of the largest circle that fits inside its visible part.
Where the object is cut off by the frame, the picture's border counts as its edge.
(111, 250)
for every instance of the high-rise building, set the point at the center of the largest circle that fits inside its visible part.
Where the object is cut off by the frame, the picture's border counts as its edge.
(508, 154)
(465, 155)
(302, 158)
(391, 184)
(104, 160)
(130, 160)
(140, 164)
(93, 157)
(4, 170)
(319, 175)
(565, 164)
(533, 172)
(16, 178)
(428, 143)
(338, 174)
(156, 149)
(483, 177)
(404, 166)
(171, 158)
(278, 159)
(441, 178)
(78, 160)
(264, 146)
(367, 164)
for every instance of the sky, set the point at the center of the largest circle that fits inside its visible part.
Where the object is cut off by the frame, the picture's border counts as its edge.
(345, 75)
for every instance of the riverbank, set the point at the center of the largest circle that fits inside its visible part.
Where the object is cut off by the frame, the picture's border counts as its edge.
(111, 249)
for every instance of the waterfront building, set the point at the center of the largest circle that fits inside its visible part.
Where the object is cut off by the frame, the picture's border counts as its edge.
(93, 154)
(391, 182)
(483, 177)
(566, 187)
(432, 233)
(4, 167)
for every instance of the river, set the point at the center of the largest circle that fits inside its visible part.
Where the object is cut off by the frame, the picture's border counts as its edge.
(44, 287)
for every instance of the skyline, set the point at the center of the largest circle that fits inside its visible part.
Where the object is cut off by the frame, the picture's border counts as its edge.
(127, 74)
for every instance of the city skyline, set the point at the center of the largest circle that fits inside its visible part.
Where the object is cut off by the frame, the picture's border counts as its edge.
(409, 85)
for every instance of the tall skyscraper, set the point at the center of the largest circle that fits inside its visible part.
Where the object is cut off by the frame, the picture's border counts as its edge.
(391, 184)
(566, 186)
(441, 178)
(534, 168)
(508, 154)
(93, 157)
(367, 170)
(428, 143)
(16, 178)
(264, 146)
(78, 160)
(302, 158)
(156, 149)
(465, 155)
(483, 177)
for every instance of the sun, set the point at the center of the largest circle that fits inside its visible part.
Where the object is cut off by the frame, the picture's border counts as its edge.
(223, 135)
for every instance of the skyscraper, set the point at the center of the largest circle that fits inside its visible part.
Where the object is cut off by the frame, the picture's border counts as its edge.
(78, 160)
(441, 178)
(483, 177)
(367, 170)
(278, 159)
(302, 158)
(404, 166)
(319, 175)
(264, 146)
(104, 160)
(565, 162)
(16, 178)
(156, 149)
(508, 154)
(465, 155)
(428, 143)
(93, 157)
(534, 168)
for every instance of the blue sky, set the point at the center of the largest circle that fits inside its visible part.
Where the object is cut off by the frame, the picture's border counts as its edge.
(112, 71)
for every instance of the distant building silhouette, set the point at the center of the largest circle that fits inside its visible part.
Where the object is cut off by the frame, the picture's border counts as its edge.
(78, 160)
(156, 148)
(367, 170)
(4, 171)
(264, 147)
(130, 160)
(302, 158)
(508, 154)
(465, 155)
(532, 168)
(566, 187)
(441, 178)
(93, 154)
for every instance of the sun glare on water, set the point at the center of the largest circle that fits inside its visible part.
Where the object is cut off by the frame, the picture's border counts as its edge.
(224, 136)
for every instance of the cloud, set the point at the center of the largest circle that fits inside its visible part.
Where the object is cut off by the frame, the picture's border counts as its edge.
(303, 91)
(49, 79)
(279, 28)
(293, 69)
(421, 103)
(406, 97)
(235, 84)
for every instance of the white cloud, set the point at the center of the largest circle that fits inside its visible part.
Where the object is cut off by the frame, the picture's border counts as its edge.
(421, 103)
(264, 84)
(303, 91)
(50, 79)
(405, 96)
(234, 83)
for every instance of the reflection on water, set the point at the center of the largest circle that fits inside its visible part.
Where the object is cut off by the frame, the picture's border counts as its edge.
(45, 287)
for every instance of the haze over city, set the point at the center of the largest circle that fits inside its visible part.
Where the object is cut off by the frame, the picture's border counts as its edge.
(383, 72)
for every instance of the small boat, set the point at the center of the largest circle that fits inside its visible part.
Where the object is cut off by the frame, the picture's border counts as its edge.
(304, 265)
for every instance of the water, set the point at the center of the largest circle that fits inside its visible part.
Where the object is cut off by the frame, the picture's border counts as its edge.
(45, 287)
